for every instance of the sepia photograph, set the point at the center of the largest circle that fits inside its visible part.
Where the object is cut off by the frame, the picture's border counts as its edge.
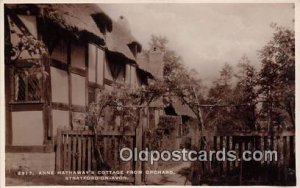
(188, 94)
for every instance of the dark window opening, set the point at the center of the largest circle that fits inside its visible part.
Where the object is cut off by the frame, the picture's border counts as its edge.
(169, 110)
(28, 84)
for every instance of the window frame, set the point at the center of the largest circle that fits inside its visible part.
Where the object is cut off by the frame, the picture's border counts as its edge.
(22, 65)
(95, 78)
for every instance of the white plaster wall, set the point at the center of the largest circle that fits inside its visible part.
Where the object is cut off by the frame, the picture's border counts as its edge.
(107, 72)
(133, 77)
(15, 39)
(30, 23)
(127, 74)
(60, 120)
(27, 128)
(100, 66)
(78, 89)
(92, 63)
(59, 85)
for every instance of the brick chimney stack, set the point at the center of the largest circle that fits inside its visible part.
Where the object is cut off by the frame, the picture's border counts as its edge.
(156, 62)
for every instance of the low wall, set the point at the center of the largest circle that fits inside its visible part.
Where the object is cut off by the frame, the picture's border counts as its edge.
(30, 161)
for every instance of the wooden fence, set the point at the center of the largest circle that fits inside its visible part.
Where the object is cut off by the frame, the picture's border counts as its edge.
(75, 151)
(252, 172)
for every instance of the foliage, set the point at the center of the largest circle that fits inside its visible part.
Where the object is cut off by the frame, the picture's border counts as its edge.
(245, 94)
(26, 43)
(236, 102)
(165, 128)
(277, 78)
(273, 87)
(220, 92)
(183, 85)
(124, 100)
(121, 101)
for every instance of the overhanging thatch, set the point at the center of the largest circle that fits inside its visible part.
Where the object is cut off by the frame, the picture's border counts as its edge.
(183, 109)
(78, 18)
(118, 40)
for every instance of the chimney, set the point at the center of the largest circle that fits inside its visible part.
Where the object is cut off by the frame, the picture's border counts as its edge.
(156, 62)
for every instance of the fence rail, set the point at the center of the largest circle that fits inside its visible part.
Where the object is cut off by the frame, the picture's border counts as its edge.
(256, 171)
(75, 151)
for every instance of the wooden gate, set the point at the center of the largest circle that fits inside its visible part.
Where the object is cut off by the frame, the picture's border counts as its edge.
(75, 151)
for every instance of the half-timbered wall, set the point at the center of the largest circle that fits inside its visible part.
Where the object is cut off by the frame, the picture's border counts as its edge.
(25, 99)
(60, 119)
(107, 73)
(30, 22)
(59, 85)
(78, 89)
(75, 71)
(78, 84)
(27, 22)
(131, 77)
(27, 127)
(78, 55)
(60, 52)
(100, 66)
(69, 84)
(96, 59)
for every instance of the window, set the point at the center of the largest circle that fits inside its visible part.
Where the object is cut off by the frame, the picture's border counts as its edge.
(60, 52)
(96, 64)
(28, 84)
(78, 56)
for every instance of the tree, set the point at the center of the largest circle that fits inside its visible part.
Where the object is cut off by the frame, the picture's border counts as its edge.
(124, 102)
(222, 87)
(181, 83)
(277, 78)
(245, 94)
(220, 96)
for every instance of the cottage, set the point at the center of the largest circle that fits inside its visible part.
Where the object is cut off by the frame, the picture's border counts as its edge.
(57, 56)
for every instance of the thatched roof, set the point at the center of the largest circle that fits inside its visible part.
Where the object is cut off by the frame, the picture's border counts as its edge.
(183, 109)
(78, 17)
(118, 40)
(145, 65)
(89, 20)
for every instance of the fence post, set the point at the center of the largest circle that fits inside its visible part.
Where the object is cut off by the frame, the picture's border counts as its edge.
(58, 151)
(285, 159)
(138, 145)
(241, 165)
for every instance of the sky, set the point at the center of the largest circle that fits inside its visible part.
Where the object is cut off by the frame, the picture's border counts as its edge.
(206, 36)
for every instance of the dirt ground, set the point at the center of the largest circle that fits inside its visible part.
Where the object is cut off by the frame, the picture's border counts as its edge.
(170, 179)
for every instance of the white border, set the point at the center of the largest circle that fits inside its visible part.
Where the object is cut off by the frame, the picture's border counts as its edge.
(2, 97)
